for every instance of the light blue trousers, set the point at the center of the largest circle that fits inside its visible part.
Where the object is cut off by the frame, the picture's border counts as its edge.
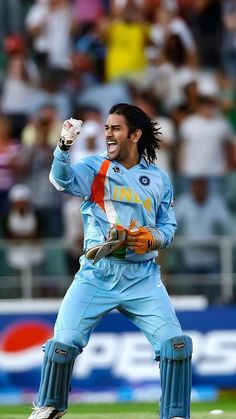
(135, 289)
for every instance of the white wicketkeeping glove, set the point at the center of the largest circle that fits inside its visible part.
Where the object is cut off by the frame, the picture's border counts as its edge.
(70, 130)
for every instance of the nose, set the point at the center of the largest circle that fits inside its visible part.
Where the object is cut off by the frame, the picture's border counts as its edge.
(109, 134)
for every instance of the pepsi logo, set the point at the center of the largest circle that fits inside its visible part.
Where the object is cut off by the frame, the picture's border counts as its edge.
(20, 336)
(21, 345)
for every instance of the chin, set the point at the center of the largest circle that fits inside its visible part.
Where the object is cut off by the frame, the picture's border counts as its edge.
(112, 156)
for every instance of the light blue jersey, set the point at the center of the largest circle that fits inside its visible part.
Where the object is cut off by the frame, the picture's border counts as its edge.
(115, 195)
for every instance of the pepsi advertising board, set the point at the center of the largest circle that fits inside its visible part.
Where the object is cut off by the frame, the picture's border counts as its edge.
(117, 364)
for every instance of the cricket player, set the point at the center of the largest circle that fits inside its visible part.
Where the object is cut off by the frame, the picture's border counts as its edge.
(128, 214)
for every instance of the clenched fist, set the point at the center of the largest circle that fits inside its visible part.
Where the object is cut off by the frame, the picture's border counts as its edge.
(70, 130)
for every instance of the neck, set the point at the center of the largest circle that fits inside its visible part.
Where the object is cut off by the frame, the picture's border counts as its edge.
(133, 161)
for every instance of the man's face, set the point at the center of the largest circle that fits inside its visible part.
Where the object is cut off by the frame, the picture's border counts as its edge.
(117, 138)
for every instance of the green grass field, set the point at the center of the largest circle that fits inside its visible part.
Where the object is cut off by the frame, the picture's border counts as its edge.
(129, 410)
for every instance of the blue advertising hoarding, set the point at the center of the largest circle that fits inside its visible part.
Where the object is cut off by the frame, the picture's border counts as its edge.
(118, 362)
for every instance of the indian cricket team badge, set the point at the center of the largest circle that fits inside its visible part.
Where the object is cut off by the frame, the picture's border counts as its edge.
(144, 180)
(117, 169)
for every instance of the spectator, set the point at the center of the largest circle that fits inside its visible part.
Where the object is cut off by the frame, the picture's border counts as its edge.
(10, 18)
(92, 138)
(52, 25)
(227, 97)
(11, 163)
(45, 123)
(38, 159)
(89, 113)
(88, 12)
(22, 229)
(189, 85)
(230, 182)
(89, 55)
(150, 105)
(73, 233)
(205, 21)
(19, 84)
(35, 27)
(125, 36)
(229, 38)
(189, 104)
(166, 22)
(201, 216)
(204, 137)
(166, 77)
(113, 92)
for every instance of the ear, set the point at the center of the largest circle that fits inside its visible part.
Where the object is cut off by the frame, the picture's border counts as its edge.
(135, 136)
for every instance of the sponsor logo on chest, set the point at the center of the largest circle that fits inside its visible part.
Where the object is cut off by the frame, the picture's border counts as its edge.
(123, 194)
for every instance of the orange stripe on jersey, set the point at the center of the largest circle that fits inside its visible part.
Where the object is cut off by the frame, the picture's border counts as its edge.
(98, 185)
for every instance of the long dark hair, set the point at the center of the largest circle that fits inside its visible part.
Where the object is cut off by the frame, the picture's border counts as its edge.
(136, 118)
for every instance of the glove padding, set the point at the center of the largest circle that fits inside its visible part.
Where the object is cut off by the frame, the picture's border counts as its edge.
(140, 240)
(70, 129)
(116, 239)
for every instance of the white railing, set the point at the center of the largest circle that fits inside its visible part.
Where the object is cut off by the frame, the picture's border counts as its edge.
(46, 282)
(225, 279)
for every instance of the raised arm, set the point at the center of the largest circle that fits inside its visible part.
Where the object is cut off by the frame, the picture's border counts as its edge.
(72, 179)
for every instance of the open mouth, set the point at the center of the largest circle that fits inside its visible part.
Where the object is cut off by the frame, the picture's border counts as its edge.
(112, 146)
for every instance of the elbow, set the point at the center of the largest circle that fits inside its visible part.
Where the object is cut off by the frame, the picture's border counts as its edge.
(55, 184)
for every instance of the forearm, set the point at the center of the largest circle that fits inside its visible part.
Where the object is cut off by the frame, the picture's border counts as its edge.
(167, 233)
(61, 173)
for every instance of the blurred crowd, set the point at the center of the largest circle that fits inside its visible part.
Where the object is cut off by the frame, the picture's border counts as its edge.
(61, 58)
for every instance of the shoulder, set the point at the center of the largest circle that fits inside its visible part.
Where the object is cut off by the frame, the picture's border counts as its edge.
(93, 162)
(224, 123)
(153, 167)
(160, 175)
(217, 201)
(35, 14)
(95, 158)
(190, 120)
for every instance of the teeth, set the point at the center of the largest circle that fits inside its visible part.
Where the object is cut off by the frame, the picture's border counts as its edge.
(110, 142)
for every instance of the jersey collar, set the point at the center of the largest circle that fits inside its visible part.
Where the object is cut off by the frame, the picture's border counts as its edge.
(143, 161)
